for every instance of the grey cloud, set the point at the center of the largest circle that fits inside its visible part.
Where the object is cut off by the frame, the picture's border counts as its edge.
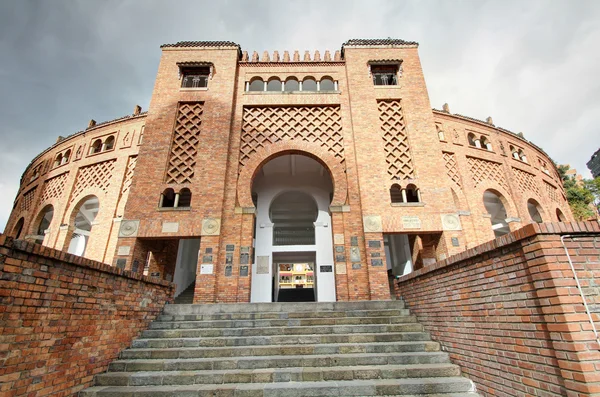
(531, 65)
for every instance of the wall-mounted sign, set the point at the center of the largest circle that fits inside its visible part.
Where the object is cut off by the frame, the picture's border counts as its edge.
(244, 259)
(228, 271)
(339, 248)
(375, 254)
(326, 268)
(230, 247)
(245, 250)
(206, 268)
(207, 259)
(340, 258)
(354, 254)
(354, 241)
(454, 241)
(170, 227)
(411, 222)
(124, 250)
(262, 265)
(355, 266)
(208, 250)
(376, 262)
(340, 268)
(338, 239)
(155, 274)
(243, 271)
(121, 263)
(229, 258)
(374, 244)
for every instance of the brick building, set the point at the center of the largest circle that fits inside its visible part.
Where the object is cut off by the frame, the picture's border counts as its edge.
(285, 176)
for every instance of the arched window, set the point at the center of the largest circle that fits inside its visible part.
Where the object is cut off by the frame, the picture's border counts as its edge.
(471, 138)
(291, 84)
(58, 160)
(495, 208)
(560, 216)
(326, 84)
(167, 198)
(96, 146)
(309, 84)
(534, 211)
(293, 215)
(109, 144)
(396, 194)
(522, 156)
(274, 84)
(441, 135)
(185, 198)
(514, 152)
(486, 143)
(412, 194)
(66, 157)
(18, 228)
(83, 223)
(45, 217)
(257, 85)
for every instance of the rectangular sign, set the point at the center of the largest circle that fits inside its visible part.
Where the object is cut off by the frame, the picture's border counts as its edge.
(326, 268)
(206, 268)
(411, 222)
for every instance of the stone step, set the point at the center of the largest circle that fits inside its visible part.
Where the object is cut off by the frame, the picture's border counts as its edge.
(278, 340)
(265, 362)
(365, 388)
(269, 375)
(268, 331)
(289, 307)
(284, 315)
(280, 350)
(294, 322)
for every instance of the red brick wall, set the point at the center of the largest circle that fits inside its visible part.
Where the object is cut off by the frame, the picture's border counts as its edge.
(64, 318)
(510, 314)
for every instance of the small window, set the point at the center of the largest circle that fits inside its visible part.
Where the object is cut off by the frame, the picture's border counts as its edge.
(326, 84)
(385, 74)
(560, 216)
(18, 228)
(58, 160)
(309, 84)
(441, 136)
(257, 85)
(522, 156)
(185, 198)
(292, 84)
(167, 199)
(109, 144)
(412, 194)
(485, 143)
(472, 140)
(396, 194)
(195, 77)
(66, 157)
(274, 85)
(96, 146)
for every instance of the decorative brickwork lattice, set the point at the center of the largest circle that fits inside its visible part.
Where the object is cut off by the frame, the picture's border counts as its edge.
(315, 124)
(54, 188)
(483, 170)
(526, 181)
(393, 132)
(451, 168)
(552, 192)
(129, 174)
(28, 200)
(97, 175)
(184, 147)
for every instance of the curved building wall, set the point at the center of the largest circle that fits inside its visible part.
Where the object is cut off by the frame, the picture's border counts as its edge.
(478, 156)
(74, 169)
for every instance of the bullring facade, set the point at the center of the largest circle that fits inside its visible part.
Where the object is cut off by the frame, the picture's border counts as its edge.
(285, 176)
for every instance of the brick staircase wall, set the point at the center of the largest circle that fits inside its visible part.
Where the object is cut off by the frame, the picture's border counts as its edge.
(64, 318)
(510, 314)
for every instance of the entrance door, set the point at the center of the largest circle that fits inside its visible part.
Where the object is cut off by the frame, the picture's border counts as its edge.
(294, 282)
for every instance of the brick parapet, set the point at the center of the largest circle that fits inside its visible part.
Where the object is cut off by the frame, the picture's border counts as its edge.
(510, 314)
(64, 318)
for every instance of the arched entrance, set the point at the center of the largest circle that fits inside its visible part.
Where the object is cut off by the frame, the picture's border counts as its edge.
(82, 225)
(293, 239)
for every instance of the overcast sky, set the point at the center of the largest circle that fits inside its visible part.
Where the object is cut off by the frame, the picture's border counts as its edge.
(533, 66)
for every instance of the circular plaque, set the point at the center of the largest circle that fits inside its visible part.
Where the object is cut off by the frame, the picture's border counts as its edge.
(210, 226)
(128, 228)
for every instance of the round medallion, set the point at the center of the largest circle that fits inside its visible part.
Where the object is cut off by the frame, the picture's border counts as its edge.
(210, 226)
(451, 222)
(128, 228)
(372, 223)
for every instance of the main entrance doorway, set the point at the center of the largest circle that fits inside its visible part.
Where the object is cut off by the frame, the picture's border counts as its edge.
(294, 245)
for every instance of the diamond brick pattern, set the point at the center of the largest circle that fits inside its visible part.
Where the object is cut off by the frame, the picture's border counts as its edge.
(526, 181)
(552, 192)
(315, 124)
(483, 170)
(54, 188)
(452, 168)
(396, 146)
(131, 163)
(184, 147)
(28, 200)
(97, 175)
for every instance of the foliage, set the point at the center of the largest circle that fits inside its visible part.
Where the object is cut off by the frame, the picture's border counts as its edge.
(582, 197)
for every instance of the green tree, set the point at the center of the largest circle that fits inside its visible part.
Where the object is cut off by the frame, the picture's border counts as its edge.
(581, 196)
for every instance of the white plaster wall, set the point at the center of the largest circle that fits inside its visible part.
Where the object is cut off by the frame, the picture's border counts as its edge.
(267, 189)
(185, 267)
(398, 255)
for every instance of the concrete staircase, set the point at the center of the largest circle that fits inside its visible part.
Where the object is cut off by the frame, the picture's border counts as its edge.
(283, 349)
(187, 296)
